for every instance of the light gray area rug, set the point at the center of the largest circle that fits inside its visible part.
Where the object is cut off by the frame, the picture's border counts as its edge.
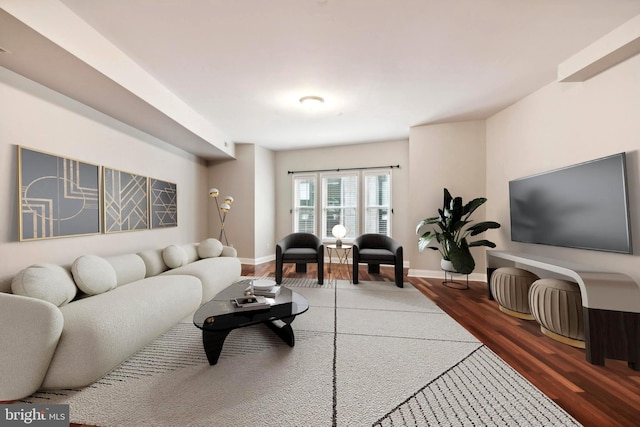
(366, 354)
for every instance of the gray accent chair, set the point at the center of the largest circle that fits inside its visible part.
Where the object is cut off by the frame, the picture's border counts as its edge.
(375, 249)
(301, 249)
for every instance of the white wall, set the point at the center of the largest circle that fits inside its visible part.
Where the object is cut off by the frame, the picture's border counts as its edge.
(265, 200)
(451, 156)
(250, 222)
(235, 178)
(560, 125)
(348, 156)
(36, 117)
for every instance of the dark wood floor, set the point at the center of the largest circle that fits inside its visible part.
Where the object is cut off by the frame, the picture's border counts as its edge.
(595, 395)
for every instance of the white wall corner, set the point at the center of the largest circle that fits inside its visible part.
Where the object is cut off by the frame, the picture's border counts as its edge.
(56, 23)
(610, 50)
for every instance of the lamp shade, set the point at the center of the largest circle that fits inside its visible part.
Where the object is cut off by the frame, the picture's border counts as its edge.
(339, 231)
(214, 192)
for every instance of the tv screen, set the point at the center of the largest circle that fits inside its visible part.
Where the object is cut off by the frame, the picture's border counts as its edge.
(581, 206)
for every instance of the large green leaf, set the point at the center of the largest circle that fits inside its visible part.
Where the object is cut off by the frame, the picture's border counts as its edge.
(458, 226)
(432, 220)
(461, 258)
(426, 239)
(456, 210)
(482, 243)
(473, 205)
(446, 200)
(482, 227)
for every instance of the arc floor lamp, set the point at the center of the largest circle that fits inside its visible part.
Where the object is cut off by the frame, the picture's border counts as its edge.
(222, 209)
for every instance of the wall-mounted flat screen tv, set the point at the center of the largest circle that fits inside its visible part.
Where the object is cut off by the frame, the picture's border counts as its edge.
(581, 206)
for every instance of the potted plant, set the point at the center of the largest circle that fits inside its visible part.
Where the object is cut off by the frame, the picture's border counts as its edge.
(450, 229)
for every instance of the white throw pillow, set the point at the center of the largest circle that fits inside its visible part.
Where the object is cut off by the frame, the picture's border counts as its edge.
(229, 251)
(192, 252)
(94, 275)
(210, 248)
(153, 262)
(47, 282)
(174, 256)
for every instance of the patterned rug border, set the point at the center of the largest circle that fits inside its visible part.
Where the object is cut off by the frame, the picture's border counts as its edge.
(494, 410)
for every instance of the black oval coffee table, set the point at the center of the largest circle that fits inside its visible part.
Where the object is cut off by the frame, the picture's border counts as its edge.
(219, 317)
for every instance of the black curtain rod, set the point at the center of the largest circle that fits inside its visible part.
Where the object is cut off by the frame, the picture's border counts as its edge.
(345, 169)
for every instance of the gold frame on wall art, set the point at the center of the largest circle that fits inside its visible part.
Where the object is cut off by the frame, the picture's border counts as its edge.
(125, 199)
(163, 204)
(58, 196)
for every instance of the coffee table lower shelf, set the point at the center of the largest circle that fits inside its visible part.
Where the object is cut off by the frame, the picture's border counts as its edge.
(214, 340)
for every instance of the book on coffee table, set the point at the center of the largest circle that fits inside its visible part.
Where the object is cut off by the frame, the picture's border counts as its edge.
(250, 303)
(269, 293)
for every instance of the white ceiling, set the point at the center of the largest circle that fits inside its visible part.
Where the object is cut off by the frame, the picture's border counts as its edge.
(381, 65)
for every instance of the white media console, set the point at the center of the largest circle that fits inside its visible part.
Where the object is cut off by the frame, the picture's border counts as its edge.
(611, 303)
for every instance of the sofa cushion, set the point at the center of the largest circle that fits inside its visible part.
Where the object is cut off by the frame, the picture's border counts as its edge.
(93, 274)
(48, 282)
(373, 255)
(129, 268)
(102, 331)
(153, 262)
(192, 252)
(210, 248)
(229, 251)
(215, 274)
(174, 256)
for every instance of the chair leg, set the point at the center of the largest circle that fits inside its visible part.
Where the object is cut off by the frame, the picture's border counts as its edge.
(354, 276)
(399, 276)
(278, 272)
(374, 269)
(320, 272)
(320, 278)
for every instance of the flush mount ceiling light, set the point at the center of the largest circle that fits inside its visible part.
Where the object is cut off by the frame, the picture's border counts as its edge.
(311, 102)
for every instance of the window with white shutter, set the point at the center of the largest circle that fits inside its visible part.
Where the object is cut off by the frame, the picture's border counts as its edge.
(377, 202)
(359, 200)
(340, 204)
(304, 212)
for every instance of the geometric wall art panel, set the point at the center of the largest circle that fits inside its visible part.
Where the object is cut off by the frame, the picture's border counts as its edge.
(58, 197)
(164, 203)
(125, 201)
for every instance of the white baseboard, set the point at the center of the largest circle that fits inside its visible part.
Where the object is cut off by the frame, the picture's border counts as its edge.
(439, 274)
(256, 261)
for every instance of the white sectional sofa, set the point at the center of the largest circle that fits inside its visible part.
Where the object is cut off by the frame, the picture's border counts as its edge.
(66, 327)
